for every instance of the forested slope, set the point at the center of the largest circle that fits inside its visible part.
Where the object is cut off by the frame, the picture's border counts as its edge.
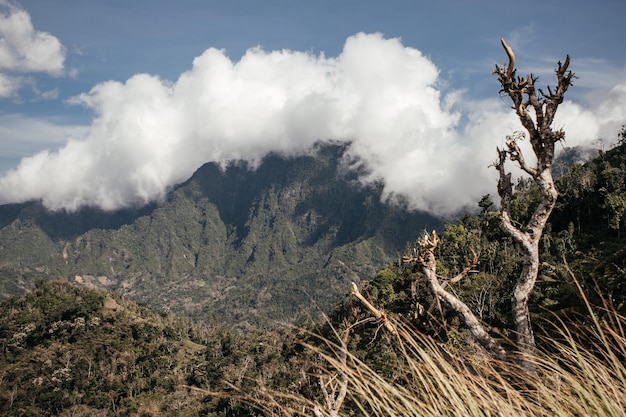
(71, 351)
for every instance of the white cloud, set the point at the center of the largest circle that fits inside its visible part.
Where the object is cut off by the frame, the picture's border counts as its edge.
(24, 49)
(382, 97)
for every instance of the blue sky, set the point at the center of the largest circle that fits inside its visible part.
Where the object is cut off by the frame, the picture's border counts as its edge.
(65, 111)
(116, 39)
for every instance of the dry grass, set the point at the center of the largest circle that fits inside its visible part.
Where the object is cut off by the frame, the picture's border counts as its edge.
(580, 372)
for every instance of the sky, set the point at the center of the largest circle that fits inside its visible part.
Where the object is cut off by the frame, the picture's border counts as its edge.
(112, 103)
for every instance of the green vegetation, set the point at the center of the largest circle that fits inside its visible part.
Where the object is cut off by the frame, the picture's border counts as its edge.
(65, 349)
(75, 352)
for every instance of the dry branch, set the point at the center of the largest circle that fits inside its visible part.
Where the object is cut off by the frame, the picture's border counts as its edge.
(469, 265)
(335, 388)
(378, 314)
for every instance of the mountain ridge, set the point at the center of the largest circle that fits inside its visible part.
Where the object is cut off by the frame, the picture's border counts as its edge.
(231, 243)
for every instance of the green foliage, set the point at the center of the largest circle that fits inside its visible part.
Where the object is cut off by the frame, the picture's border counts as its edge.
(485, 204)
(616, 204)
(525, 200)
(621, 137)
(67, 349)
(384, 287)
(587, 228)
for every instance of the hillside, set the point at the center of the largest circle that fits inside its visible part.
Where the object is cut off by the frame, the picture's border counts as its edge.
(234, 244)
(70, 351)
(66, 348)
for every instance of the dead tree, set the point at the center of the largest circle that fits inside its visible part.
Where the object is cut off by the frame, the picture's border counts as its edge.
(425, 258)
(535, 110)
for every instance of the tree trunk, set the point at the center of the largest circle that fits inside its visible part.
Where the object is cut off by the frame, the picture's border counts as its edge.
(528, 239)
(521, 294)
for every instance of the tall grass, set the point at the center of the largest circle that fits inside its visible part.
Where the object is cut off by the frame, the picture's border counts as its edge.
(580, 371)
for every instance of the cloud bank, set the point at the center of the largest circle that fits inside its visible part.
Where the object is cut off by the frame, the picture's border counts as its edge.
(149, 134)
(25, 50)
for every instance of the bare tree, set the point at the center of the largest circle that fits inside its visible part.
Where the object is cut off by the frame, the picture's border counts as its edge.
(425, 258)
(535, 110)
(335, 387)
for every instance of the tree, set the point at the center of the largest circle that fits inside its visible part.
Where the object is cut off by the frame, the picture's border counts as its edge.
(535, 110)
(616, 204)
(621, 137)
(428, 263)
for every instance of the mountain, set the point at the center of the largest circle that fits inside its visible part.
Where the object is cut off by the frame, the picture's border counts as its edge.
(233, 244)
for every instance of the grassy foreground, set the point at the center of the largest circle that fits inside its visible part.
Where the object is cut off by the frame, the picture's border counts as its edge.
(580, 371)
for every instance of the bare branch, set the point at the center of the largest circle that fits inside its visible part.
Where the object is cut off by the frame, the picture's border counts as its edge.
(511, 55)
(468, 268)
(515, 154)
(379, 314)
(334, 387)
